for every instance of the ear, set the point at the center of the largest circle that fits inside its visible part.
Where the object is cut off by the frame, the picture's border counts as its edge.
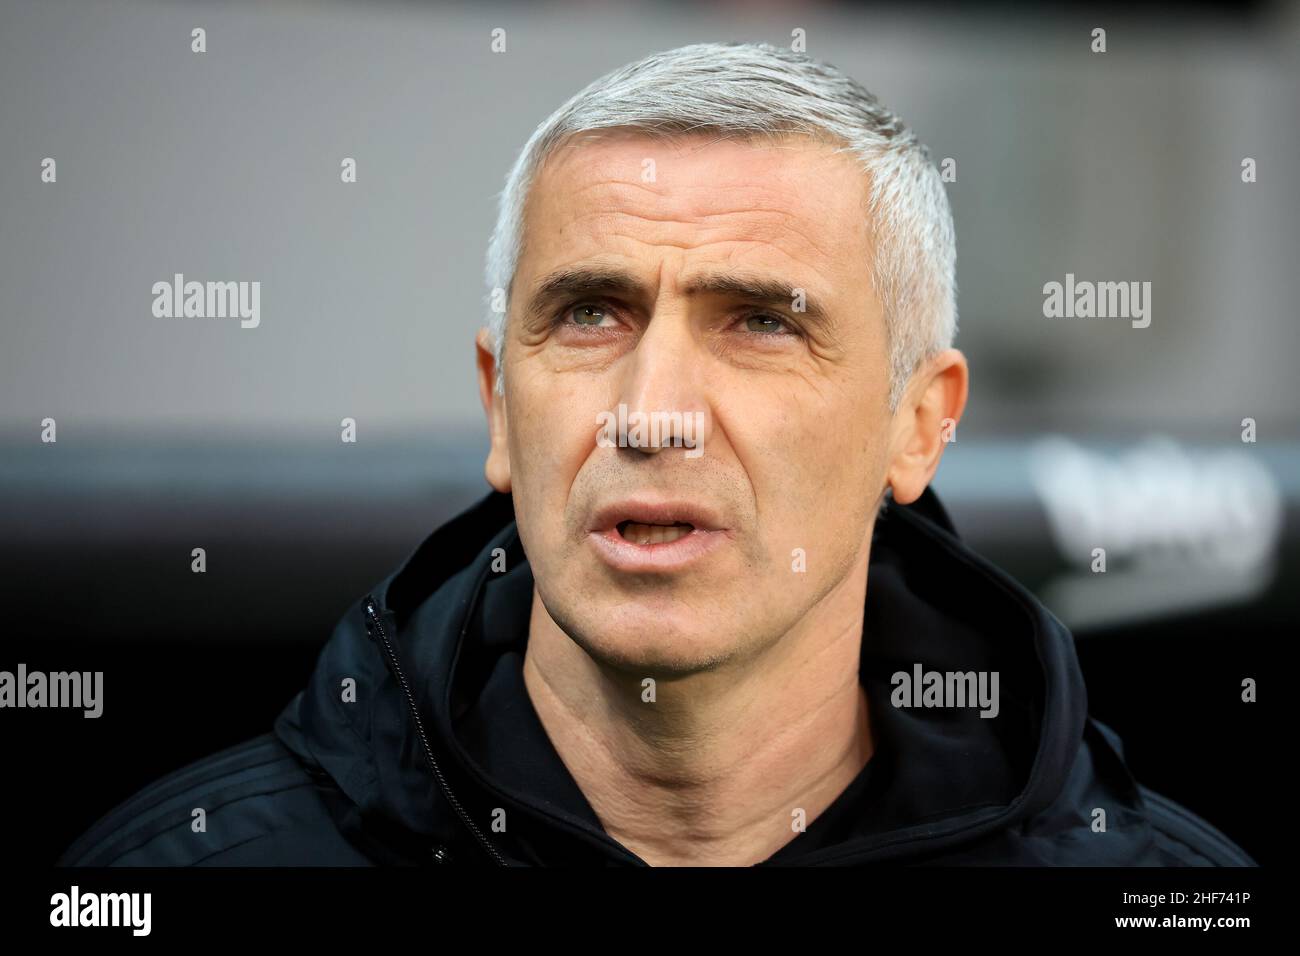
(497, 468)
(925, 422)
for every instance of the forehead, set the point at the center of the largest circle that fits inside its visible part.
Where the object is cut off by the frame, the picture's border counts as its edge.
(789, 202)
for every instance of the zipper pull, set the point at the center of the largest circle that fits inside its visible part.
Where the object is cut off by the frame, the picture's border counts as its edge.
(372, 617)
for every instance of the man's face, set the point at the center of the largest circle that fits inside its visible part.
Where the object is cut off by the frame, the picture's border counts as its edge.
(792, 389)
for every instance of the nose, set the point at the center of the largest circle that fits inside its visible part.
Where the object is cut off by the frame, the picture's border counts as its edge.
(663, 388)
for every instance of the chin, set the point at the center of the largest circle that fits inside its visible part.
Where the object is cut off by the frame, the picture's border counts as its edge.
(647, 641)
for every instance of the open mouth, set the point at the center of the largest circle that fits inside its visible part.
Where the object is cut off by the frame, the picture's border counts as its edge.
(647, 535)
(644, 534)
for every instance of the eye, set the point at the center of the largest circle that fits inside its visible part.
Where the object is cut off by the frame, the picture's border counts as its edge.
(586, 314)
(766, 324)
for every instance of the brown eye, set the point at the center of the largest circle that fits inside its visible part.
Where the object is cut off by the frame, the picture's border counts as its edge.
(764, 323)
(589, 315)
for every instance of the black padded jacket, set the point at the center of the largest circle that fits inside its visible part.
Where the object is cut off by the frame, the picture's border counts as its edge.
(435, 757)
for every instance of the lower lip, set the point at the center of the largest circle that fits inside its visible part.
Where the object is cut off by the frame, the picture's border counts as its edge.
(624, 555)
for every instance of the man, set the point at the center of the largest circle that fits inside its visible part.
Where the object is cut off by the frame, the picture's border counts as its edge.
(711, 613)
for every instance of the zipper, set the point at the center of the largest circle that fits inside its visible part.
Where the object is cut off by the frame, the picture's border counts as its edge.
(375, 626)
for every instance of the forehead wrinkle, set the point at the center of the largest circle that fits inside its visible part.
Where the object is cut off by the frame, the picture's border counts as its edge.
(759, 199)
(604, 223)
(789, 220)
(739, 258)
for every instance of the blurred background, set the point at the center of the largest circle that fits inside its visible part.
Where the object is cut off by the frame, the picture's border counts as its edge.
(173, 434)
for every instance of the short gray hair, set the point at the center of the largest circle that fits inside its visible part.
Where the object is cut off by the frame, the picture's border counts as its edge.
(752, 91)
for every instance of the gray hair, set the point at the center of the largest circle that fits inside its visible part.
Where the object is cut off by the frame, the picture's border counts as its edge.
(755, 91)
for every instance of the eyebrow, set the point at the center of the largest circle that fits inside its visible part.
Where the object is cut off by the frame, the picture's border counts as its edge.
(757, 289)
(566, 284)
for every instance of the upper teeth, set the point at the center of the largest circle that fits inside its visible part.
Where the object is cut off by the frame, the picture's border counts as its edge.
(653, 533)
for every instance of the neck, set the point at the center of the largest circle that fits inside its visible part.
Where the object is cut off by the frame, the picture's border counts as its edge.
(715, 772)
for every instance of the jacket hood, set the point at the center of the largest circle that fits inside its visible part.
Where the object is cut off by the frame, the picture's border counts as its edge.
(389, 716)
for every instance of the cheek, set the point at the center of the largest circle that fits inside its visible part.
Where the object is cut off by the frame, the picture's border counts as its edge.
(552, 433)
(813, 459)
